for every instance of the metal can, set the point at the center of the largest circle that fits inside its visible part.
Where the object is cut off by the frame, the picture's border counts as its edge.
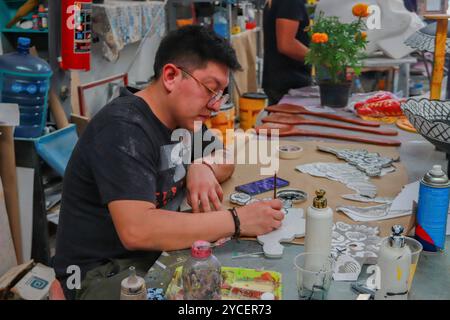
(433, 209)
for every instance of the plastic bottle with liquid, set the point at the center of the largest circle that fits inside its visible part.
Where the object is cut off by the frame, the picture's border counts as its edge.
(24, 80)
(319, 225)
(43, 17)
(201, 275)
(133, 287)
(394, 262)
(220, 24)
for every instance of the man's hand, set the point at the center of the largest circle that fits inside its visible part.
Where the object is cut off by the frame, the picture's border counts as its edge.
(260, 217)
(203, 187)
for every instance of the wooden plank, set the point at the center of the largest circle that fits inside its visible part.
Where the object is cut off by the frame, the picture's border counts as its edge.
(439, 59)
(7, 254)
(25, 183)
(80, 121)
(437, 16)
(9, 179)
(57, 110)
(74, 99)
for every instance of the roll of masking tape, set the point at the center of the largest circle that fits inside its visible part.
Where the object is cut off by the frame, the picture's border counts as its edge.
(289, 151)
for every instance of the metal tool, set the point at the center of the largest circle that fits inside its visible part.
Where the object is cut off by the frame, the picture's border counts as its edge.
(293, 195)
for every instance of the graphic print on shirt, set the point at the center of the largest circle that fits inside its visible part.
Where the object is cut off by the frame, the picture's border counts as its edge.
(172, 173)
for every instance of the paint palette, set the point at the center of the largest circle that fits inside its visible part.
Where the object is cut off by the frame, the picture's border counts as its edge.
(237, 284)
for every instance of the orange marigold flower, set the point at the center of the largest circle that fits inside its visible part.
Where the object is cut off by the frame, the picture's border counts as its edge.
(319, 38)
(360, 10)
(362, 35)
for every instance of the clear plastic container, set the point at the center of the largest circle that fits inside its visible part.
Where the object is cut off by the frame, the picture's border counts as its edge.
(220, 24)
(24, 80)
(201, 276)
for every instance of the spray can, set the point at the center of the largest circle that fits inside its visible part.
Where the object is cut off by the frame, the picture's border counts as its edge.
(432, 209)
(394, 262)
(133, 287)
(202, 277)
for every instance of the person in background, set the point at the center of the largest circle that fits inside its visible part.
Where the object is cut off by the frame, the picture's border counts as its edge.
(285, 46)
(411, 5)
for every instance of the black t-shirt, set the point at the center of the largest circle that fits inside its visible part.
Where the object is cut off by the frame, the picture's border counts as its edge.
(281, 72)
(125, 153)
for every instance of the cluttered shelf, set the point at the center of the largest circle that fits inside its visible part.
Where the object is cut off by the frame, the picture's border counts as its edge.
(21, 30)
(23, 16)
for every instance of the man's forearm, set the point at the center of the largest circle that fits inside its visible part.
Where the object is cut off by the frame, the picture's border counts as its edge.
(221, 164)
(296, 50)
(167, 230)
(223, 171)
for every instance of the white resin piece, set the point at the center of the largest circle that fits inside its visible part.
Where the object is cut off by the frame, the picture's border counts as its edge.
(292, 226)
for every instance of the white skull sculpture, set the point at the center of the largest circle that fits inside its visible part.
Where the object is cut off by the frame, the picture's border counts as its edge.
(396, 24)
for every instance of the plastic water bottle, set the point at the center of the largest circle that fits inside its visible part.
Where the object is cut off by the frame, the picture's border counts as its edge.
(202, 278)
(24, 80)
(220, 24)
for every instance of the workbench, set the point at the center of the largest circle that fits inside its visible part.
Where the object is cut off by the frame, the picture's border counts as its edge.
(431, 279)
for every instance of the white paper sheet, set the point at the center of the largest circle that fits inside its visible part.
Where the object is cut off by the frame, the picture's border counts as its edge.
(9, 114)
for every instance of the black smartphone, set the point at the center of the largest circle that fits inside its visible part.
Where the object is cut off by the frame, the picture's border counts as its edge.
(261, 186)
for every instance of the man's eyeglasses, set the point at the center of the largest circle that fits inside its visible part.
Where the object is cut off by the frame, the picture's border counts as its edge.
(217, 96)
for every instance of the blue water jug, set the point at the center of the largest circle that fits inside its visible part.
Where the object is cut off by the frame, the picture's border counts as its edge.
(24, 80)
(220, 25)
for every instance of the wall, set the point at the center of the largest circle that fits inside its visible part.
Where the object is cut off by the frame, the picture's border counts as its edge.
(141, 70)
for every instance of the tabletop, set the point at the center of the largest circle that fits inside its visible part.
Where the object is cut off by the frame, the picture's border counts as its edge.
(432, 276)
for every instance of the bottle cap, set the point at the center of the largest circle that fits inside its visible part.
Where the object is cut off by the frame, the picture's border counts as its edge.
(397, 240)
(436, 176)
(23, 42)
(267, 296)
(133, 284)
(320, 202)
(201, 249)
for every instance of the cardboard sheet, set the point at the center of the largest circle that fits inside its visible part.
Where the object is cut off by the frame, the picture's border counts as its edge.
(7, 253)
(388, 186)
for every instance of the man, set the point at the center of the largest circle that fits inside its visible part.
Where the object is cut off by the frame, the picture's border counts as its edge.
(285, 47)
(124, 182)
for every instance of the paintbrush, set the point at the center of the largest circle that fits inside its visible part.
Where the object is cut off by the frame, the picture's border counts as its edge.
(275, 185)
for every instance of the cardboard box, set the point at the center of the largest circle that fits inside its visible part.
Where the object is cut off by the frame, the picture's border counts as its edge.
(35, 285)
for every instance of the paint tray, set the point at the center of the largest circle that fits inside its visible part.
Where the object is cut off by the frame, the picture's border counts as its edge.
(56, 148)
(237, 284)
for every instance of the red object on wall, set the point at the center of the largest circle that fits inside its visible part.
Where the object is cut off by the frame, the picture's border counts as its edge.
(76, 34)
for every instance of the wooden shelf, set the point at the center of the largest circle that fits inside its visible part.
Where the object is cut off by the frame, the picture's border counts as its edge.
(20, 30)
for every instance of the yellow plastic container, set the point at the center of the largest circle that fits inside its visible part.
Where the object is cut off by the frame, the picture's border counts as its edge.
(250, 105)
(224, 120)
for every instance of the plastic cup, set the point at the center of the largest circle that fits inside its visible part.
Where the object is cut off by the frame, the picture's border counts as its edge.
(416, 248)
(314, 275)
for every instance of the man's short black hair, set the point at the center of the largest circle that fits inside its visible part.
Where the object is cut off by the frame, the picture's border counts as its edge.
(193, 47)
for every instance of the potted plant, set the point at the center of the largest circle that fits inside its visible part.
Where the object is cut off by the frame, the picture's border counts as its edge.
(336, 46)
